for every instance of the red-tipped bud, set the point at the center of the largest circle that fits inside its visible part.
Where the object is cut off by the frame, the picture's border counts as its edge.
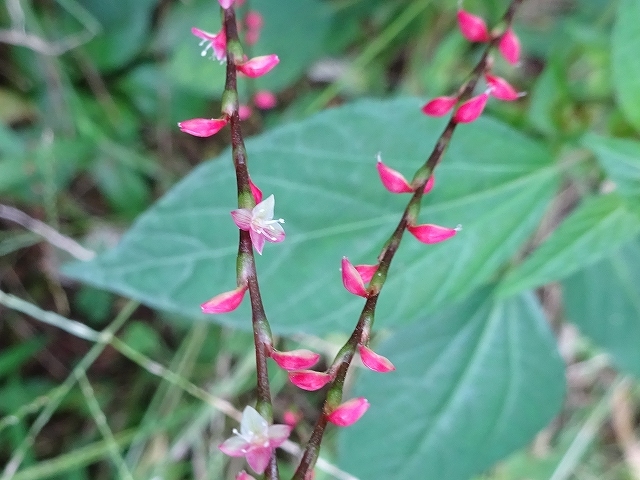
(244, 476)
(224, 302)
(509, 47)
(295, 359)
(349, 412)
(473, 27)
(352, 280)
(392, 180)
(432, 233)
(309, 379)
(265, 100)
(500, 88)
(374, 361)
(291, 418)
(471, 109)
(255, 191)
(244, 112)
(258, 66)
(202, 127)
(225, 3)
(439, 106)
(367, 272)
(429, 185)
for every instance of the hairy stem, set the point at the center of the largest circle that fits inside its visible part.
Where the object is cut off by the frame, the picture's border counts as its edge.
(246, 260)
(343, 360)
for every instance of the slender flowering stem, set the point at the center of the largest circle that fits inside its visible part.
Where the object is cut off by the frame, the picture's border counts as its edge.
(346, 353)
(246, 260)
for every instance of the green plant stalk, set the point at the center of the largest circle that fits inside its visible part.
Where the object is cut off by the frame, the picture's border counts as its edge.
(342, 361)
(246, 261)
(53, 400)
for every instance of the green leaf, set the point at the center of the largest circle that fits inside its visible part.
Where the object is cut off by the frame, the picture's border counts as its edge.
(598, 226)
(494, 181)
(125, 28)
(603, 301)
(472, 384)
(625, 45)
(620, 158)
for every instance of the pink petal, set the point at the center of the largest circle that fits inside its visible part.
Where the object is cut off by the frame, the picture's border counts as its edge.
(244, 476)
(225, 3)
(471, 109)
(349, 412)
(265, 100)
(224, 302)
(202, 127)
(258, 66)
(429, 185)
(244, 112)
(242, 218)
(292, 418)
(309, 379)
(367, 272)
(258, 458)
(276, 233)
(255, 191)
(203, 35)
(278, 434)
(254, 20)
(295, 359)
(352, 280)
(252, 37)
(439, 106)
(258, 240)
(392, 179)
(473, 27)
(234, 447)
(374, 361)
(500, 88)
(432, 233)
(509, 47)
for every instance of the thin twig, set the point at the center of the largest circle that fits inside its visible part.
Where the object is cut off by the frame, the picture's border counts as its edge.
(50, 234)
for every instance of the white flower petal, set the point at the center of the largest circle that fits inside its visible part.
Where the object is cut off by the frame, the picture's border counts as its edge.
(235, 446)
(252, 423)
(278, 434)
(264, 210)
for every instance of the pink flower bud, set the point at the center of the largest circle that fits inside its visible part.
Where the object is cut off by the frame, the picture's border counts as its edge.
(309, 380)
(252, 37)
(224, 302)
(374, 361)
(292, 418)
(244, 476)
(471, 109)
(439, 106)
(202, 127)
(473, 27)
(244, 112)
(432, 233)
(253, 20)
(265, 100)
(295, 359)
(225, 3)
(429, 185)
(500, 88)
(509, 47)
(258, 66)
(392, 180)
(255, 191)
(349, 412)
(352, 280)
(367, 272)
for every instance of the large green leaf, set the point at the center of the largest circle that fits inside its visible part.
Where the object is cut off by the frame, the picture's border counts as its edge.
(472, 384)
(603, 300)
(620, 158)
(625, 44)
(493, 180)
(597, 227)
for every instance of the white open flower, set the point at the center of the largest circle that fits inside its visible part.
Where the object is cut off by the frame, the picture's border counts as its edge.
(259, 223)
